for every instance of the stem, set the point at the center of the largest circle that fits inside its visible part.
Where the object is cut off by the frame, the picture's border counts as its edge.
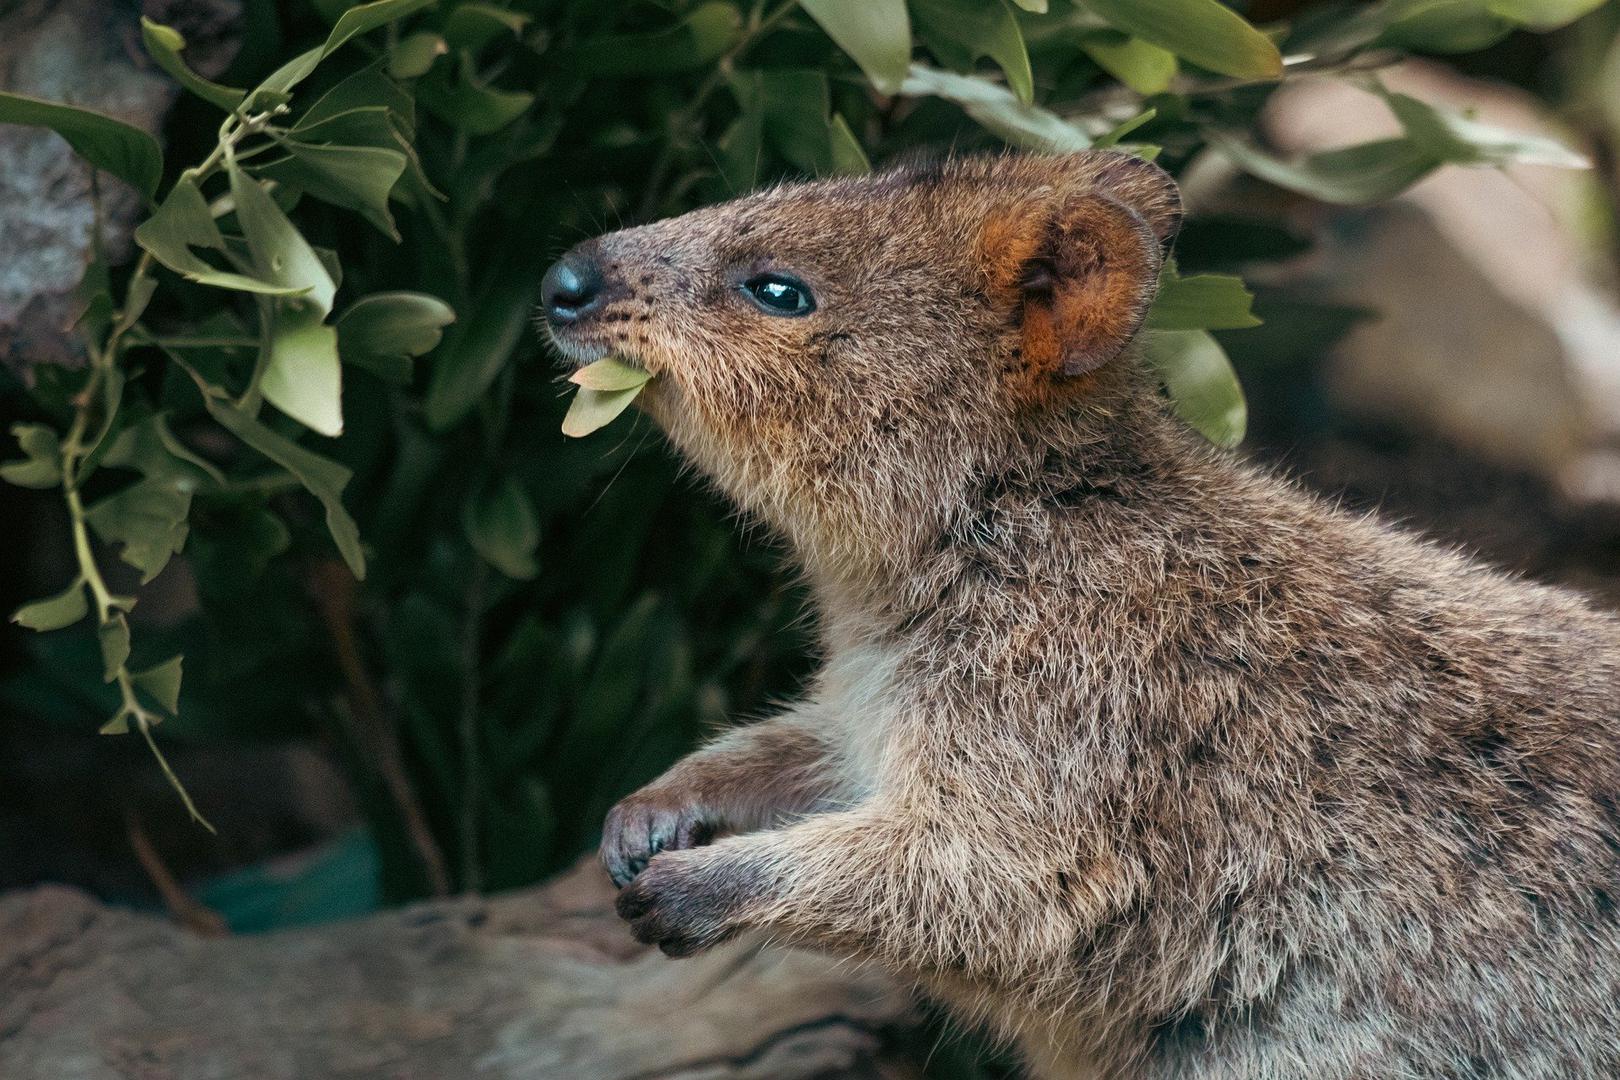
(372, 727)
(684, 118)
(104, 358)
(108, 608)
(89, 573)
(145, 721)
(201, 342)
(472, 786)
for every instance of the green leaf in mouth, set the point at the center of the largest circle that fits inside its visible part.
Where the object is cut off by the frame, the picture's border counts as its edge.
(606, 389)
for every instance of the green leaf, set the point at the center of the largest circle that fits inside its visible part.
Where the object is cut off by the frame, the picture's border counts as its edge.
(692, 44)
(383, 126)
(383, 331)
(1037, 6)
(1142, 66)
(162, 683)
(36, 474)
(414, 55)
(303, 376)
(471, 107)
(151, 449)
(110, 145)
(114, 638)
(149, 519)
(959, 32)
(165, 44)
(501, 525)
(791, 107)
(1201, 302)
(1460, 140)
(1370, 172)
(1205, 32)
(607, 701)
(183, 222)
(140, 293)
(367, 88)
(610, 373)
(1364, 173)
(54, 612)
(1203, 387)
(112, 396)
(875, 33)
(848, 158)
(742, 147)
(997, 110)
(1113, 136)
(280, 253)
(472, 26)
(1441, 26)
(370, 125)
(41, 467)
(359, 178)
(479, 345)
(321, 477)
(592, 410)
(93, 297)
(118, 725)
(355, 21)
(794, 115)
(1543, 15)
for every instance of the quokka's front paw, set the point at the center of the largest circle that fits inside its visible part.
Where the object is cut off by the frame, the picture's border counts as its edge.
(647, 822)
(680, 905)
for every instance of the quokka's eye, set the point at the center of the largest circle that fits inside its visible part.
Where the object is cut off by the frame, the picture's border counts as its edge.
(779, 294)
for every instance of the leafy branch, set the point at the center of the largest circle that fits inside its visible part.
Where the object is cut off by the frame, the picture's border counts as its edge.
(295, 348)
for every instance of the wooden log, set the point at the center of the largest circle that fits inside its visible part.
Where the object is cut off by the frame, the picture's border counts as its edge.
(542, 983)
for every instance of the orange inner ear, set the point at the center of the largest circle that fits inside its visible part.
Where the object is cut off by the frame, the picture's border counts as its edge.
(1098, 265)
(1008, 241)
(1107, 264)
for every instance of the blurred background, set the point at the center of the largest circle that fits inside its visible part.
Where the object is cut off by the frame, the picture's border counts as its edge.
(1397, 282)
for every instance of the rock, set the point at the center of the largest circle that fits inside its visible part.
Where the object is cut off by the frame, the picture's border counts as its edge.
(542, 983)
(1498, 325)
(81, 52)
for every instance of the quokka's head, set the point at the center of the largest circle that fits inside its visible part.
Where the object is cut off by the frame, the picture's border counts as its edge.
(825, 350)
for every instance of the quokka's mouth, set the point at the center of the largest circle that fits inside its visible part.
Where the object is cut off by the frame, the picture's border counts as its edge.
(575, 352)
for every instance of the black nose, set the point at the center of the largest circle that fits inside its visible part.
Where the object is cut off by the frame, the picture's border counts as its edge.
(571, 288)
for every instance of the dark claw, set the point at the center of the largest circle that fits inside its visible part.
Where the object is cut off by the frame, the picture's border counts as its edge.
(664, 830)
(642, 826)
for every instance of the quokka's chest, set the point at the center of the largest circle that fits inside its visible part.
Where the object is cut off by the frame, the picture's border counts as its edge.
(859, 692)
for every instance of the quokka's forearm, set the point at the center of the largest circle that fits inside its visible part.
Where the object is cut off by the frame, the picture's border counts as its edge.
(752, 778)
(913, 893)
(760, 774)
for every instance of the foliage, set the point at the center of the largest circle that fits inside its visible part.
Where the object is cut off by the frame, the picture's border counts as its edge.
(337, 297)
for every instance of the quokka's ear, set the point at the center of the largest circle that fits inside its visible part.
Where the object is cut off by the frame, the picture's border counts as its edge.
(1081, 259)
(1086, 288)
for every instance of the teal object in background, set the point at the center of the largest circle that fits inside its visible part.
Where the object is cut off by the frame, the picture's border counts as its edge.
(335, 881)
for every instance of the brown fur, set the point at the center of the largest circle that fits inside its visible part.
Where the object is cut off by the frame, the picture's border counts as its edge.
(1144, 757)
